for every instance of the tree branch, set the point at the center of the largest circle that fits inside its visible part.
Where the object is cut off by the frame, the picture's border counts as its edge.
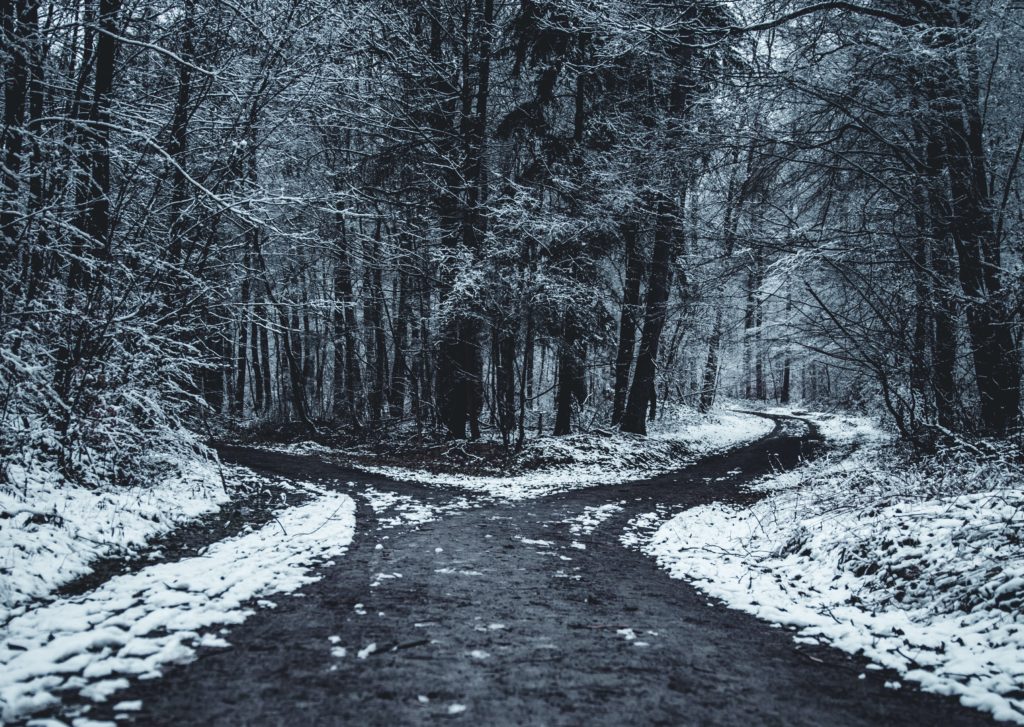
(841, 5)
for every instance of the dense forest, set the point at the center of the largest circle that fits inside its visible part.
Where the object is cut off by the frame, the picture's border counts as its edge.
(477, 218)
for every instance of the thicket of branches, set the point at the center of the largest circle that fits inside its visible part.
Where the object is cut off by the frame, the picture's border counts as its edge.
(467, 217)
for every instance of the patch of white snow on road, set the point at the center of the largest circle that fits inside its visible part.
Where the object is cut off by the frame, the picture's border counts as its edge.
(639, 530)
(393, 509)
(454, 571)
(135, 624)
(588, 521)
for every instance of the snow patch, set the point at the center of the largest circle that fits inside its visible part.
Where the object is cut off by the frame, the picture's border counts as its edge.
(916, 566)
(588, 521)
(393, 510)
(52, 530)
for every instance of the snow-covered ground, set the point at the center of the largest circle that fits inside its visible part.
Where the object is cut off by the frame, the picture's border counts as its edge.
(137, 623)
(586, 460)
(917, 566)
(51, 531)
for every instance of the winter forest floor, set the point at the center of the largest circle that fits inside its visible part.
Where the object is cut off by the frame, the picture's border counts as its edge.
(373, 601)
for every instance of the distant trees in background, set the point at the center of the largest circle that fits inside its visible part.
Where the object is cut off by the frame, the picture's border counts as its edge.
(485, 217)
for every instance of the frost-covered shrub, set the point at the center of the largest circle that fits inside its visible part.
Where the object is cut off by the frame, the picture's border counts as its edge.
(97, 393)
(943, 533)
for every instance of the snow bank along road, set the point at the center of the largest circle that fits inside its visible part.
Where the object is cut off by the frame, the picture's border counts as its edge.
(532, 612)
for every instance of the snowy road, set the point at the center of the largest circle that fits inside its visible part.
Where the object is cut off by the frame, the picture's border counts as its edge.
(520, 613)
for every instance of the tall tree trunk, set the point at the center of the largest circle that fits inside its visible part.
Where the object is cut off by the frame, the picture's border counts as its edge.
(93, 233)
(934, 225)
(20, 20)
(709, 387)
(505, 390)
(628, 318)
(212, 375)
(787, 362)
(990, 321)
(291, 344)
(569, 375)
(655, 310)
(96, 222)
(38, 196)
(257, 365)
(178, 147)
(347, 402)
(264, 342)
(424, 374)
(241, 359)
(373, 317)
(400, 366)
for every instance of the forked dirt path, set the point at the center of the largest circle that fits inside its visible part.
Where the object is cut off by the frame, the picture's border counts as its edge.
(495, 615)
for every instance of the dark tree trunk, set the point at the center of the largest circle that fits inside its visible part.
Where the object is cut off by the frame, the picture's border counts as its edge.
(784, 394)
(505, 389)
(291, 344)
(258, 394)
(38, 196)
(525, 378)
(569, 375)
(956, 96)
(709, 387)
(241, 360)
(178, 150)
(348, 389)
(400, 366)
(945, 353)
(655, 310)
(989, 320)
(373, 317)
(96, 221)
(268, 396)
(212, 375)
(934, 225)
(753, 358)
(422, 347)
(19, 19)
(457, 376)
(629, 317)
